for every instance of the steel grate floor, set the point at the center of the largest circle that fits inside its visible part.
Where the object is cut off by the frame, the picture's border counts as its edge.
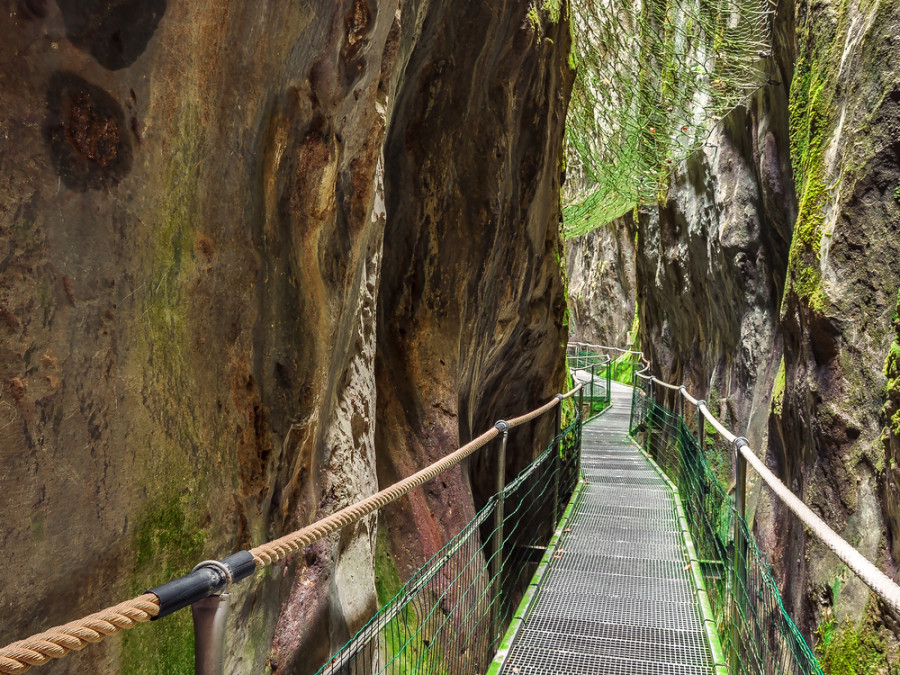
(618, 599)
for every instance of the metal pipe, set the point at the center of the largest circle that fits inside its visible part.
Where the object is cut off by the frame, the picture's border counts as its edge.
(556, 460)
(740, 546)
(580, 432)
(701, 426)
(497, 540)
(591, 412)
(608, 382)
(210, 620)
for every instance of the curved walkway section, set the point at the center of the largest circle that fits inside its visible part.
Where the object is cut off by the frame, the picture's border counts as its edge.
(618, 597)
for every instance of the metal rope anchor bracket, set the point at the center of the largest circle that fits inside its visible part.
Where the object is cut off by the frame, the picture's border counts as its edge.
(211, 577)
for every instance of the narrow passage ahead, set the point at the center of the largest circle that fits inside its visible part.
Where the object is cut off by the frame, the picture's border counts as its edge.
(618, 597)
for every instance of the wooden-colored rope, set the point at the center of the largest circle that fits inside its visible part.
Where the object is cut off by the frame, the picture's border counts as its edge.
(59, 641)
(279, 549)
(276, 550)
(883, 586)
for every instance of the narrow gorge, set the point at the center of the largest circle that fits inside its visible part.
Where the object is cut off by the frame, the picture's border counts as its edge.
(261, 260)
(257, 261)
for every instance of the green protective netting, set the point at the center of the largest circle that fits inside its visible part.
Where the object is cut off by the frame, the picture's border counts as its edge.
(757, 634)
(653, 77)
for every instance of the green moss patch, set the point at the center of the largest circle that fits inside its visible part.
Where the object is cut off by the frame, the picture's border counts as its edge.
(778, 389)
(850, 649)
(387, 578)
(812, 95)
(892, 371)
(167, 544)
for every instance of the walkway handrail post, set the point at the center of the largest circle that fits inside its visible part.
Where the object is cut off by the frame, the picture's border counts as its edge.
(701, 426)
(592, 390)
(740, 545)
(608, 381)
(210, 617)
(557, 446)
(499, 508)
(580, 432)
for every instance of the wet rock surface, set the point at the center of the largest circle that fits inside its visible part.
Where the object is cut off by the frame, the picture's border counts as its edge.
(214, 223)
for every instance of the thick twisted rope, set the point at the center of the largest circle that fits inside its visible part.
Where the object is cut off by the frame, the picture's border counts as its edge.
(268, 553)
(873, 577)
(59, 641)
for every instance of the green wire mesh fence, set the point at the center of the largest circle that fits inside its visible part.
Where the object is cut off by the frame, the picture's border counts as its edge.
(758, 636)
(652, 79)
(594, 372)
(451, 615)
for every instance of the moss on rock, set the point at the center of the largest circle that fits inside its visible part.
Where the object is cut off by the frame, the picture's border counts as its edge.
(778, 389)
(387, 577)
(851, 649)
(811, 103)
(168, 542)
(892, 371)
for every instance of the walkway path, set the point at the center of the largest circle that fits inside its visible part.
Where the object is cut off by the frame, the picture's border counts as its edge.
(618, 598)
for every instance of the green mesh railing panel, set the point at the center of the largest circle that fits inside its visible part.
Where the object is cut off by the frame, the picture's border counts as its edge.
(652, 79)
(451, 615)
(595, 372)
(623, 367)
(757, 634)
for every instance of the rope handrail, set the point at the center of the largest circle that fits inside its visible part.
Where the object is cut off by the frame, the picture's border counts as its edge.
(612, 349)
(868, 573)
(20, 656)
(640, 354)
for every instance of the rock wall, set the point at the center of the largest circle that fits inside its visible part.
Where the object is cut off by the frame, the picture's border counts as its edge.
(472, 300)
(767, 284)
(204, 234)
(602, 287)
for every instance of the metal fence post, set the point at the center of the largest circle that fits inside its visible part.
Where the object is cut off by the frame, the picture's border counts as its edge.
(556, 460)
(580, 432)
(652, 438)
(497, 539)
(608, 381)
(701, 424)
(591, 402)
(210, 620)
(740, 546)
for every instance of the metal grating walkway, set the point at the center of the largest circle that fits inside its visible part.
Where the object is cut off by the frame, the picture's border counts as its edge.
(617, 599)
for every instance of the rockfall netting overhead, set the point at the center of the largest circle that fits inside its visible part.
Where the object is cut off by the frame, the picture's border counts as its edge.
(653, 77)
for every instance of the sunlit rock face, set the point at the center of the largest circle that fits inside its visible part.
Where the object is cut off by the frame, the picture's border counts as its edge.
(259, 259)
(768, 284)
(601, 285)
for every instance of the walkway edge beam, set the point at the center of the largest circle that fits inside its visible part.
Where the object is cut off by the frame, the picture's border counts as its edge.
(20, 656)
